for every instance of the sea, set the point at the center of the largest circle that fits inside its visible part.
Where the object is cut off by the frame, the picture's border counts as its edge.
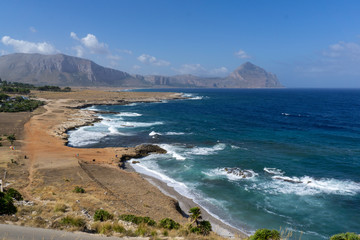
(284, 159)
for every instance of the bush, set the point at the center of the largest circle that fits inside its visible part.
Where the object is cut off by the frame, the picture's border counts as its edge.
(11, 192)
(73, 222)
(345, 236)
(78, 189)
(102, 215)
(265, 234)
(6, 204)
(205, 227)
(169, 224)
(137, 220)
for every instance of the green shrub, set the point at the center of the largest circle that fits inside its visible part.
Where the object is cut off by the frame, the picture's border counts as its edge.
(73, 222)
(102, 215)
(78, 189)
(149, 221)
(205, 227)
(11, 192)
(6, 204)
(345, 236)
(169, 224)
(265, 234)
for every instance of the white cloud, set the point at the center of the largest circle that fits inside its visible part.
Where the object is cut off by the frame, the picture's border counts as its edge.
(242, 54)
(339, 59)
(74, 36)
(147, 59)
(29, 47)
(349, 50)
(32, 29)
(91, 43)
(79, 51)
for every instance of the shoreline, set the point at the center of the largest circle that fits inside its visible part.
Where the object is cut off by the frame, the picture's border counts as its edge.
(218, 226)
(53, 166)
(221, 228)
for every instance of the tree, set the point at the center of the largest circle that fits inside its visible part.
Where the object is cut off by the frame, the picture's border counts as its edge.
(195, 215)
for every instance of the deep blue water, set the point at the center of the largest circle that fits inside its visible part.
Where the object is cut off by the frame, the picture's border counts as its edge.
(310, 137)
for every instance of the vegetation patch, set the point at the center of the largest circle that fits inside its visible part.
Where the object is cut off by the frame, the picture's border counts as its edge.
(102, 215)
(78, 189)
(7, 201)
(265, 234)
(77, 222)
(18, 104)
(168, 223)
(345, 236)
(14, 194)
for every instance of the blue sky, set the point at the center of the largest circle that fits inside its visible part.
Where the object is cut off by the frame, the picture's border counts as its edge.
(306, 43)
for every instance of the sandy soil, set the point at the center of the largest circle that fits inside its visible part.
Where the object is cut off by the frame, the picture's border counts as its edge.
(51, 170)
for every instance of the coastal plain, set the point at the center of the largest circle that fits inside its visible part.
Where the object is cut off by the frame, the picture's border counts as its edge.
(46, 171)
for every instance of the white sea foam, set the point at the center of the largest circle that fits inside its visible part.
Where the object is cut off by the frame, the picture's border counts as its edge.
(173, 151)
(129, 114)
(309, 186)
(130, 104)
(91, 108)
(178, 186)
(138, 124)
(274, 171)
(190, 96)
(174, 133)
(113, 127)
(82, 137)
(208, 150)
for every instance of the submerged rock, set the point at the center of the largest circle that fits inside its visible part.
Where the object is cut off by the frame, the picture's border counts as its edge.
(239, 172)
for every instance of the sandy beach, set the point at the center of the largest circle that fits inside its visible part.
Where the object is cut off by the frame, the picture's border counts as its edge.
(51, 169)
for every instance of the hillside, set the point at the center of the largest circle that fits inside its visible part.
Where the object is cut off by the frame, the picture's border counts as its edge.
(63, 70)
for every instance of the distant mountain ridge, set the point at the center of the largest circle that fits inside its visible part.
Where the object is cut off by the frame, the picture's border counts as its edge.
(64, 70)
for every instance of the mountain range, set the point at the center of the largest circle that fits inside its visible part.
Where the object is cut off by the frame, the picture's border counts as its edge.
(64, 70)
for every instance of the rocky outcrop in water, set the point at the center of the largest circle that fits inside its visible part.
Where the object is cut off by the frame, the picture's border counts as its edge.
(239, 172)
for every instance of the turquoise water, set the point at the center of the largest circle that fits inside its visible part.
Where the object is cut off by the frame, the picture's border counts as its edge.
(300, 149)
